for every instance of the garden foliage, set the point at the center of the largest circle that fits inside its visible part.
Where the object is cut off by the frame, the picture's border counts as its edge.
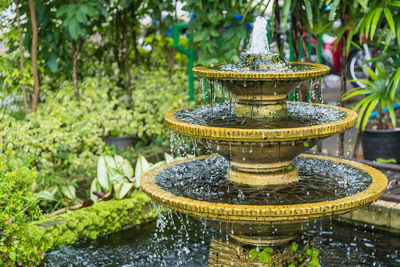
(18, 207)
(64, 139)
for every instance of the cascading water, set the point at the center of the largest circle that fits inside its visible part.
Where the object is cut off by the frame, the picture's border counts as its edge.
(256, 192)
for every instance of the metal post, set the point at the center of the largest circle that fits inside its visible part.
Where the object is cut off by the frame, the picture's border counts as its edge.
(189, 52)
(291, 59)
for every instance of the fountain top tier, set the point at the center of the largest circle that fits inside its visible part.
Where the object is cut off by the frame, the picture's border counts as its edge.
(260, 63)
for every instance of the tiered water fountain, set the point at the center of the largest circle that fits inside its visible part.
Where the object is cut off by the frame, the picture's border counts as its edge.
(259, 189)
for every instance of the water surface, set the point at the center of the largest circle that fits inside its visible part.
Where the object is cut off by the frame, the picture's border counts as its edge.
(319, 180)
(221, 115)
(180, 241)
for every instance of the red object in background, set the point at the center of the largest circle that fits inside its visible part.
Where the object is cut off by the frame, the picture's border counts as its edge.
(329, 51)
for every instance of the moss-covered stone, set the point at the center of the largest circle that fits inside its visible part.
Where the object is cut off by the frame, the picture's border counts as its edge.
(100, 219)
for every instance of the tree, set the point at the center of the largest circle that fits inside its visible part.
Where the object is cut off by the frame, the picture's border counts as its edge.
(219, 27)
(21, 62)
(34, 55)
(78, 20)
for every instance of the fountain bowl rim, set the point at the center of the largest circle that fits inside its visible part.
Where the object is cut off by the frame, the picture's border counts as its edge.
(266, 213)
(209, 73)
(261, 135)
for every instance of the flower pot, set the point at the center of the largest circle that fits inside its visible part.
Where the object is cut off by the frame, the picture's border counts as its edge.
(121, 143)
(383, 144)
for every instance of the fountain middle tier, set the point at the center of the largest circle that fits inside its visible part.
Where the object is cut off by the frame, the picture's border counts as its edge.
(260, 152)
(264, 216)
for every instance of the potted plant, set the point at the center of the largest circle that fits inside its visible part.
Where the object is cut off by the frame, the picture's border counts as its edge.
(119, 124)
(376, 120)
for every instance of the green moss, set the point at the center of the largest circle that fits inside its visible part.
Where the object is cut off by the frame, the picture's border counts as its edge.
(99, 219)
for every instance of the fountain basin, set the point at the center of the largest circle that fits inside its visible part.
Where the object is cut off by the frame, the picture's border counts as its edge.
(261, 93)
(260, 152)
(275, 223)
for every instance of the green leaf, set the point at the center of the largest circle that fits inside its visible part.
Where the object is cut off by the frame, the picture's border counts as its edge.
(395, 3)
(253, 253)
(124, 166)
(141, 167)
(12, 256)
(201, 36)
(309, 13)
(268, 250)
(83, 8)
(395, 80)
(214, 17)
(398, 31)
(69, 192)
(370, 72)
(104, 166)
(294, 247)
(389, 19)
(315, 252)
(265, 258)
(363, 3)
(52, 62)
(375, 21)
(74, 29)
(116, 178)
(289, 167)
(367, 23)
(392, 114)
(122, 189)
(368, 112)
(332, 12)
(285, 13)
(387, 40)
(46, 195)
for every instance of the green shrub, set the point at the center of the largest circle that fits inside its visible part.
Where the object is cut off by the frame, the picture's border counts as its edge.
(64, 140)
(18, 207)
(156, 93)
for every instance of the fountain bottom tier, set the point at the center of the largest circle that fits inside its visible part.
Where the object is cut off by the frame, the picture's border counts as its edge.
(269, 215)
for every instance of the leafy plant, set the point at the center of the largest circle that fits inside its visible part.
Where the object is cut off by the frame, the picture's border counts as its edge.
(263, 255)
(115, 176)
(18, 207)
(300, 255)
(64, 139)
(376, 95)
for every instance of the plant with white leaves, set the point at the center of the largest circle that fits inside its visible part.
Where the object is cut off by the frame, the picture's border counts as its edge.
(115, 175)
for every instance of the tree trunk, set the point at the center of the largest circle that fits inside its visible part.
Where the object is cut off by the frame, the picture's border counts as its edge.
(127, 53)
(21, 57)
(134, 35)
(116, 46)
(278, 22)
(76, 50)
(34, 55)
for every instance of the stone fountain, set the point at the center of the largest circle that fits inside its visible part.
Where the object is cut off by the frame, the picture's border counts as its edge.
(257, 187)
